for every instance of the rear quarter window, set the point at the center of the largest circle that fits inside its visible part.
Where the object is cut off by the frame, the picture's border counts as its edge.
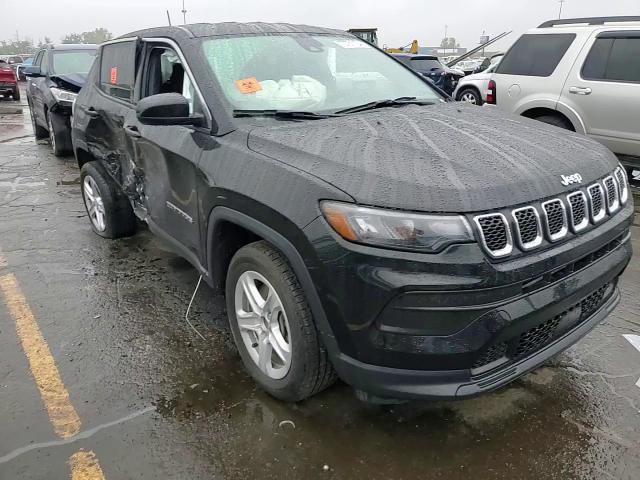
(117, 70)
(614, 59)
(536, 55)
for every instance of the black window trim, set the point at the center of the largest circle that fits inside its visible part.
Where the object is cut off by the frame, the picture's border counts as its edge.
(622, 34)
(152, 41)
(98, 84)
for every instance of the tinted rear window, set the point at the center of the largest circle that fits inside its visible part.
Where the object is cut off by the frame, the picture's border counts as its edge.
(425, 65)
(614, 60)
(536, 55)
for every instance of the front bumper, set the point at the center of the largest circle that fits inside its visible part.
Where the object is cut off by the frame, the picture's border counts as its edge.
(453, 325)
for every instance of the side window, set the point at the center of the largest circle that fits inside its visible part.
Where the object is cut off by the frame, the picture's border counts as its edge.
(614, 59)
(44, 66)
(165, 73)
(536, 55)
(38, 60)
(117, 70)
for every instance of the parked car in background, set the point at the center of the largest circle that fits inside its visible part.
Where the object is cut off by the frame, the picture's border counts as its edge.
(579, 74)
(8, 81)
(474, 88)
(56, 76)
(443, 77)
(20, 69)
(352, 214)
(473, 65)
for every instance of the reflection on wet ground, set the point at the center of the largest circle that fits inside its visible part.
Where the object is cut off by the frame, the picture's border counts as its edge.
(113, 315)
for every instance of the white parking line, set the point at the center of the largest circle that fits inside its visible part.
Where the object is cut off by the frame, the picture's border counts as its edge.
(18, 184)
(635, 341)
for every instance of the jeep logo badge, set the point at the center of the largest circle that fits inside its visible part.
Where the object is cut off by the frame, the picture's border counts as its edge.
(571, 179)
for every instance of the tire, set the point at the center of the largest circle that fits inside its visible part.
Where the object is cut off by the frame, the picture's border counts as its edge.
(101, 192)
(470, 95)
(59, 134)
(556, 121)
(309, 369)
(39, 132)
(16, 93)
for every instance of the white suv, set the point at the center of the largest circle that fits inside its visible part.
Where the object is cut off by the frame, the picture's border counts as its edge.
(581, 74)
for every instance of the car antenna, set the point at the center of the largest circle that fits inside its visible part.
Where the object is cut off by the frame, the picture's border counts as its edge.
(186, 315)
(168, 17)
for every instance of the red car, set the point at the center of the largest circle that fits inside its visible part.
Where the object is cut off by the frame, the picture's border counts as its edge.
(8, 81)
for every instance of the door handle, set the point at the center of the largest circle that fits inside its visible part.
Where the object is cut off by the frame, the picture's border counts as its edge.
(92, 112)
(580, 90)
(132, 131)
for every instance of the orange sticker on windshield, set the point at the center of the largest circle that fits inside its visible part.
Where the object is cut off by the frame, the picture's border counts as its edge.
(248, 85)
(114, 75)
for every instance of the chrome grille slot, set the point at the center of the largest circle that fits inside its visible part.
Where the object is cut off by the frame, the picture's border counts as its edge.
(596, 203)
(578, 211)
(555, 219)
(495, 233)
(623, 186)
(528, 227)
(613, 204)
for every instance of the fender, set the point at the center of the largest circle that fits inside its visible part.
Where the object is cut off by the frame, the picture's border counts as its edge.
(553, 105)
(219, 214)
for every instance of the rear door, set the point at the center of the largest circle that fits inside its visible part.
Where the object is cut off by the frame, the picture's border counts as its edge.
(604, 88)
(33, 87)
(167, 156)
(533, 71)
(109, 106)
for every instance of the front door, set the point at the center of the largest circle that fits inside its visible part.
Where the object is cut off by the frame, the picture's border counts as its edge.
(167, 156)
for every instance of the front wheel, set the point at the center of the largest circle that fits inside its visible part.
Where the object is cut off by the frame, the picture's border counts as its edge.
(273, 327)
(59, 134)
(109, 210)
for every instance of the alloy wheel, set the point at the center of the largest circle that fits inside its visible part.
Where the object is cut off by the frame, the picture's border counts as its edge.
(469, 98)
(263, 324)
(94, 203)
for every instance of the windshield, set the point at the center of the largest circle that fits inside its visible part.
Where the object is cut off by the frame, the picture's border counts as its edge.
(73, 61)
(307, 72)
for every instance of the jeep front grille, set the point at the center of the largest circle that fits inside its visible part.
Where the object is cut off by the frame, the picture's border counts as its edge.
(552, 220)
(495, 233)
(578, 208)
(596, 202)
(612, 195)
(555, 219)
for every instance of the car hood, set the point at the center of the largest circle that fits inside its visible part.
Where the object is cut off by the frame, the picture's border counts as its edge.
(443, 158)
(71, 81)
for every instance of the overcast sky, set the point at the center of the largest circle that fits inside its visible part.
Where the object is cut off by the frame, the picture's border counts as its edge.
(398, 21)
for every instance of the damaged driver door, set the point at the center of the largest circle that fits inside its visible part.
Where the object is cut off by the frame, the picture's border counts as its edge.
(166, 156)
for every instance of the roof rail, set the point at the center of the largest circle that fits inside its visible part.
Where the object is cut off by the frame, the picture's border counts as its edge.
(589, 21)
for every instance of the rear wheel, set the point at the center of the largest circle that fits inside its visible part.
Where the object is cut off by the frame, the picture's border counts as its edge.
(59, 134)
(109, 210)
(470, 95)
(273, 327)
(556, 121)
(16, 94)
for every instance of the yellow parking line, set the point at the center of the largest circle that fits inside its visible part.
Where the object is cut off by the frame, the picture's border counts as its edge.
(85, 466)
(55, 397)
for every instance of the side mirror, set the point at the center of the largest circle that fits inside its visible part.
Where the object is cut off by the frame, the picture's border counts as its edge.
(32, 71)
(166, 109)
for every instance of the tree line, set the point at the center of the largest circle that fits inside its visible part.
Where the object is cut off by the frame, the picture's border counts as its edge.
(27, 45)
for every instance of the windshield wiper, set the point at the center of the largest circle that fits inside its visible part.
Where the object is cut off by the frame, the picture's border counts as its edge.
(282, 114)
(385, 103)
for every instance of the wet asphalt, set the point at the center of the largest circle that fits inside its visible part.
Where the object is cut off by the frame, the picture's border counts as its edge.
(158, 402)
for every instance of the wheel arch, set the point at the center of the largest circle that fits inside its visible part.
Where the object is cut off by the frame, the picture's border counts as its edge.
(536, 112)
(469, 87)
(243, 229)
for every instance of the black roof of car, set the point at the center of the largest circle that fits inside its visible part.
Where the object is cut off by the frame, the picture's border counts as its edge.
(229, 28)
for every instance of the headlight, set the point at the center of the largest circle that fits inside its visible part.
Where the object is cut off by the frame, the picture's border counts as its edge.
(394, 229)
(63, 95)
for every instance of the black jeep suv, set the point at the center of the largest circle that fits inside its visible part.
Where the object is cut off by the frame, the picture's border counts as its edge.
(360, 225)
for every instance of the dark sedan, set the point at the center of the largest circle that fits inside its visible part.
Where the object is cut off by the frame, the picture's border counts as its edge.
(439, 74)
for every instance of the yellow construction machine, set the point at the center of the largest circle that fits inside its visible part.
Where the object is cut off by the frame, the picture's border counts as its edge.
(371, 35)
